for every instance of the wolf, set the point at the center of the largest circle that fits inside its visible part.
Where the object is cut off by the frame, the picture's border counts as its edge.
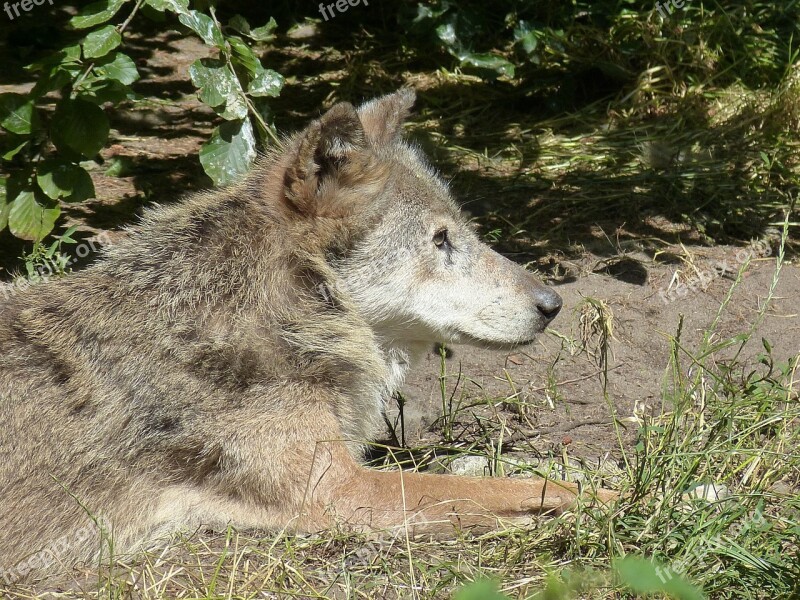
(230, 359)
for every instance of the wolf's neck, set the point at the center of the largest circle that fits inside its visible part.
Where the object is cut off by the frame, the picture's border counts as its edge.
(399, 359)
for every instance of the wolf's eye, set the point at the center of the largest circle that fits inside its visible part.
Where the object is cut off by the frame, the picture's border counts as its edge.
(440, 238)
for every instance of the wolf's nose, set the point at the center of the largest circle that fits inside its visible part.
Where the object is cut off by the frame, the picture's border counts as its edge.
(549, 304)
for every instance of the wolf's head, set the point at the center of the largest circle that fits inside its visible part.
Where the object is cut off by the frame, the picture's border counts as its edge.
(404, 254)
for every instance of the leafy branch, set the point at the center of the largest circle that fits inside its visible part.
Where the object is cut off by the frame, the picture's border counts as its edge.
(44, 149)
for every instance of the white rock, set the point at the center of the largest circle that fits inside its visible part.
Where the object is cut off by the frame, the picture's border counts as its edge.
(710, 492)
(470, 466)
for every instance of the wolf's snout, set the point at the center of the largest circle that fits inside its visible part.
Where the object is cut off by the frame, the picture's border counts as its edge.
(548, 303)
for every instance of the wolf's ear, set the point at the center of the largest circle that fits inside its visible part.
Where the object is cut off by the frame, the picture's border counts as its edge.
(326, 147)
(383, 117)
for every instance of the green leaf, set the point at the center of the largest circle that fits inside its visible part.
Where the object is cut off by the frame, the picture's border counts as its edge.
(29, 220)
(4, 210)
(266, 83)
(17, 113)
(9, 154)
(80, 126)
(55, 79)
(645, 577)
(524, 34)
(456, 35)
(178, 6)
(204, 26)
(70, 54)
(119, 67)
(265, 33)
(213, 79)
(108, 90)
(240, 24)
(119, 166)
(4, 206)
(480, 590)
(101, 42)
(641, 575)
(60, 179)
(243, 55)
(219, 87)
(235, 107)
(426, 13)
(447, 33)
(489, 61)
(96, 13)
(229, 152)
(52, 250)
(66, 237)
(554, 589)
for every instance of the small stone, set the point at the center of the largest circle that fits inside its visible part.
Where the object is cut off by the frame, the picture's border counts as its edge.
(781, 488)
(470, 466)
(710, 492)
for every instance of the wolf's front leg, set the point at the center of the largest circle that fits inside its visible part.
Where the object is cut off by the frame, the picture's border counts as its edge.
(427, 503)
(340, 491)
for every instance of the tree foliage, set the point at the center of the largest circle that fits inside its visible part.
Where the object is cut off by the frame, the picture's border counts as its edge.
(50, 147)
